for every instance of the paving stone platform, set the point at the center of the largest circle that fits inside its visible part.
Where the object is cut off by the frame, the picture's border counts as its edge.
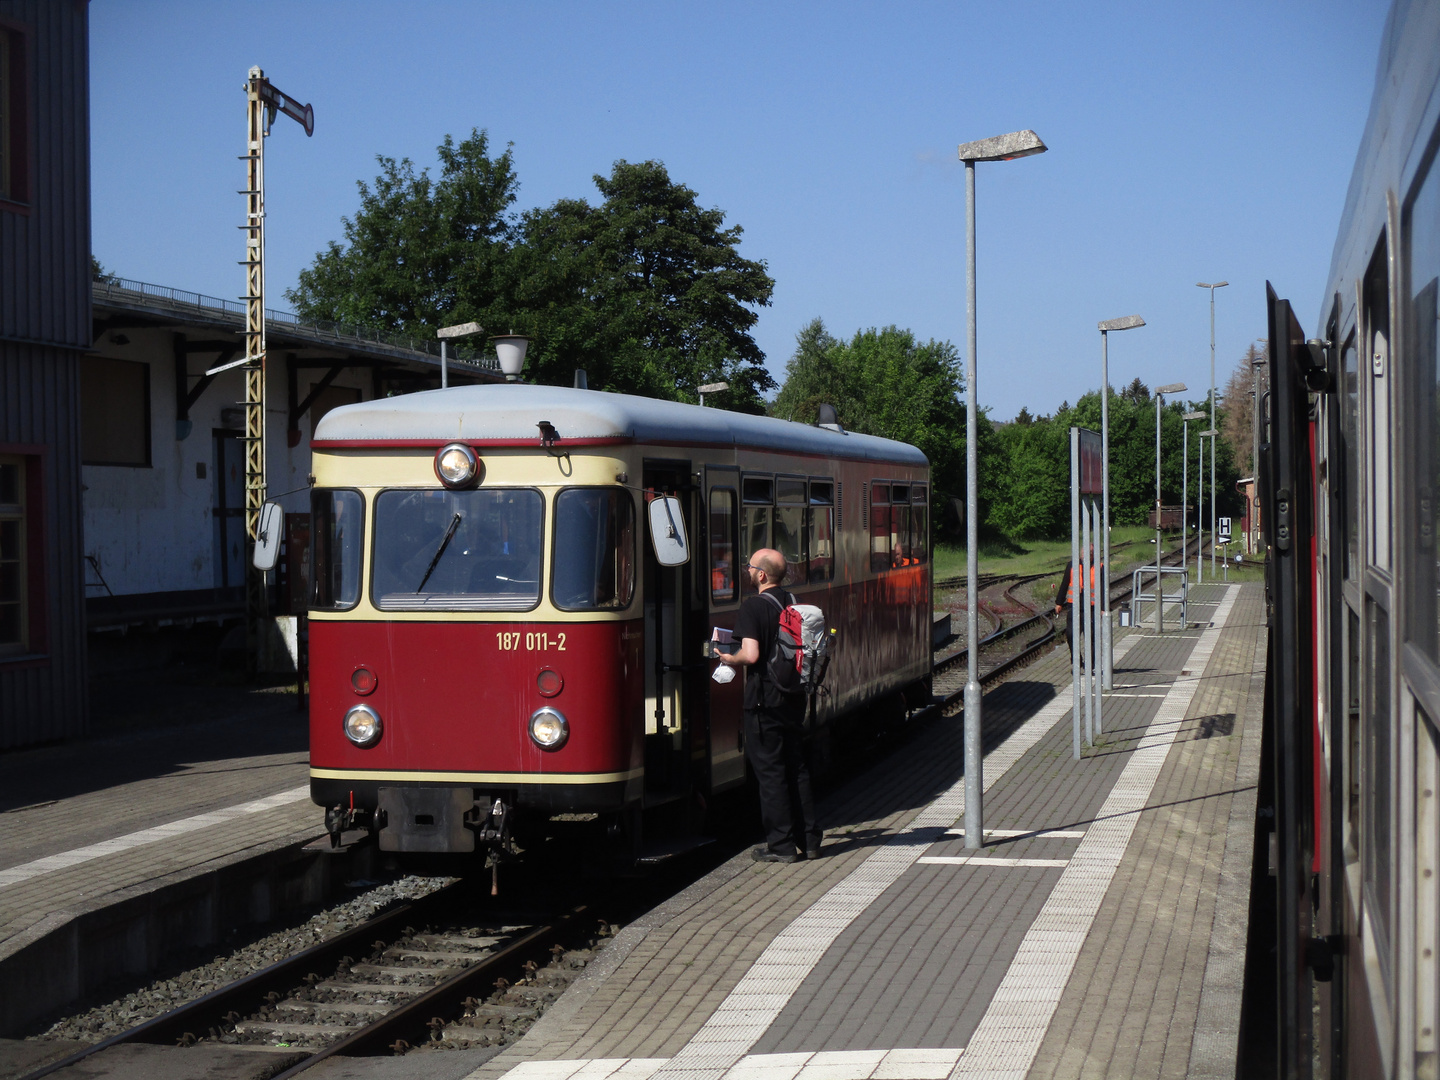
(1098, 932)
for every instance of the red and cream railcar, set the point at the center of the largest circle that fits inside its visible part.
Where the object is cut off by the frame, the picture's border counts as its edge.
(492, 638)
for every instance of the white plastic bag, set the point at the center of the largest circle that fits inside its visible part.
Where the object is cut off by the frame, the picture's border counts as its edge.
(723, 674)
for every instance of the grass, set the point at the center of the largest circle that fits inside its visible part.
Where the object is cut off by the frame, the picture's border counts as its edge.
(1130, 545)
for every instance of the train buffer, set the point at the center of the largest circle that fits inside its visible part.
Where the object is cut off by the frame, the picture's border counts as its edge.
(1099, 930)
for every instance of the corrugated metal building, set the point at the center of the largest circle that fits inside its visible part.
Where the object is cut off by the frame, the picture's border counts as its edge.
(45, 327)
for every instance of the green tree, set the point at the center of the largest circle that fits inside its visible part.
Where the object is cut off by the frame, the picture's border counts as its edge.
(421, 253)
(647, 291)
(888, 383)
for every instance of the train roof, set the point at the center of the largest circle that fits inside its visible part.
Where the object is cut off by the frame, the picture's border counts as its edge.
(510, 414)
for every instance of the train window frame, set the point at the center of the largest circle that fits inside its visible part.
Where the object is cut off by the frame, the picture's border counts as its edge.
(1349, 405)
(879, 557)
(920, 529)
(732, 540)
(15, 519)
(798, 566)
(1379, 844)
(629, 500)
(819, 502)
(464, 607)
(1378, 410)
(752, 482)
(316, 544)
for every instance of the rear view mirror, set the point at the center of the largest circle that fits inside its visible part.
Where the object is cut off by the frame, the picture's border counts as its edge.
(272, 531)
(667, 531)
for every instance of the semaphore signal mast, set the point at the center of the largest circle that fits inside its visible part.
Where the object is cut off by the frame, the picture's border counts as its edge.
(263, 102)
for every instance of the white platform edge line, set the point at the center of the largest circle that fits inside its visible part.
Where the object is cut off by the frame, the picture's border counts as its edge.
(66, 859)
(1011, 1031)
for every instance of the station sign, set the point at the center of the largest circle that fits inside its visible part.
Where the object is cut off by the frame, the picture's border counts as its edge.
(1223, 529)
(1092, 476)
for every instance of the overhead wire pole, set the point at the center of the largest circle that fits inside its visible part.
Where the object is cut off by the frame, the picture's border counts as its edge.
(1212, 286)
(263, 101)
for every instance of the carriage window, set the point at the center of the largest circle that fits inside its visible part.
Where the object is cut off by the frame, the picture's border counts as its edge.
(1375, 772)
(13, 570)
(789, 529)
(722, 546)
(758, 493)
(900, 525)
(1350, 433)
(879, 527)
(820, 531)
(919, 525)
(594, 549)
(337, 524)
(1422, 225)
(1380, 370)
(457, 550)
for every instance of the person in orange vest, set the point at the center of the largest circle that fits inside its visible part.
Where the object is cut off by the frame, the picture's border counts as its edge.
(1065, 599)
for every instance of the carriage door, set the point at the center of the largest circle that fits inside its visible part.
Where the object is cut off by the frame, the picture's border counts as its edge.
(669, 625)
(725, 561)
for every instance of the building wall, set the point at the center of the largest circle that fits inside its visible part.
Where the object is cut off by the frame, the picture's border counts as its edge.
(44, 329)
(153, 529)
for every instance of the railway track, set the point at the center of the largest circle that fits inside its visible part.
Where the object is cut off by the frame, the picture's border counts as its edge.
(458, 981)
(947, 670)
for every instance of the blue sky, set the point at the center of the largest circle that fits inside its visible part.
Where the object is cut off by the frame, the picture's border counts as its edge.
(1188, 142)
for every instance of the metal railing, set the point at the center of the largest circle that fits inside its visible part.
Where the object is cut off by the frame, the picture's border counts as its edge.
(1138, 597)
(113, 288)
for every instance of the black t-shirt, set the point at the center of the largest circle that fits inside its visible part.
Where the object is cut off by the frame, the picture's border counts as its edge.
(759, 618)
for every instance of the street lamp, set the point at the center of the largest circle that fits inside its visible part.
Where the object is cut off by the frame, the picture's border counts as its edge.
(1212, 286)
(1160, 392)
(1107, 663)
(711, 388)
(1015, 144)
(1185, 485)
(510, 351)
(445, 333)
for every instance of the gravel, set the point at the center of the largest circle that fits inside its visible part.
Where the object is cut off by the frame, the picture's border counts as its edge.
(103, 1021)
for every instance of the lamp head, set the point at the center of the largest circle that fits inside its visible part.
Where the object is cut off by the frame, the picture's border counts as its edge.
(1171, 388)
(1127, 322)
(1197, 415)
(1016, 144)
(510, 349)
(1211, 284)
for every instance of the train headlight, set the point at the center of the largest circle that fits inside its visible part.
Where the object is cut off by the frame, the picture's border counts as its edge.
(549, 683)
(362, 725)
(548, 729)
(457, 466)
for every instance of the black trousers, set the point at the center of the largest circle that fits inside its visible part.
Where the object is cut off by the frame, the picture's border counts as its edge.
(775, 748)
(1072, 632)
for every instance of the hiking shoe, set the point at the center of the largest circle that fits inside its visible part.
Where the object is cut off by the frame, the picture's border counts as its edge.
(761, 854)
(812, 853)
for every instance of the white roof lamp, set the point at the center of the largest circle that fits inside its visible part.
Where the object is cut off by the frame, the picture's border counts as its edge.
(510, 350)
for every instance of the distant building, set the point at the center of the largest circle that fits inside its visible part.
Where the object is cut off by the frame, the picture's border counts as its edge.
(44, 336)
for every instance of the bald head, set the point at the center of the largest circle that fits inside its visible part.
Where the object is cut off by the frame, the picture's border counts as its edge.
(771, 563)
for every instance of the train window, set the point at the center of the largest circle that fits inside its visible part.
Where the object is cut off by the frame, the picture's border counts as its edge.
(879, 527)
(1378, 429)
(789, 526)
(1422, 226)
(758, 493)
(723, 589)
(437, 550)
(820, 531)
(919, 524)
(13, 575)
(900, 525)
(1350, 434)
(337, 529)
(1375, 787)
(593, 557)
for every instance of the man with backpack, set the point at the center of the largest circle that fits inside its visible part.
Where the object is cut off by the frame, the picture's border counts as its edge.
(774, 718)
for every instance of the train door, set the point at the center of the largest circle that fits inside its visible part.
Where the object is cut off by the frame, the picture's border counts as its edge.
(669, 625)
(724, 572)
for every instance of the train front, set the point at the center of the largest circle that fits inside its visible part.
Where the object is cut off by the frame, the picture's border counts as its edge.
(475, 646)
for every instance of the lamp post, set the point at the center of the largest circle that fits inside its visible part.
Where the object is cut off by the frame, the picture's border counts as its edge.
(1160, 392)
(1185, 485)
(999, 148)
(1107, 663)
(445, 333)
(1212, 286)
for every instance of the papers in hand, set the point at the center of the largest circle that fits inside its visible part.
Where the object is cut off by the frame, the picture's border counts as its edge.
(720, 634)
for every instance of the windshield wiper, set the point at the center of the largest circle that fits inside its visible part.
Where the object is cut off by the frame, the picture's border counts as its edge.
(449, 535)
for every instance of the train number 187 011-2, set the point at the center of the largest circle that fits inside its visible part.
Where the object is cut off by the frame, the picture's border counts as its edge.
(535, 641)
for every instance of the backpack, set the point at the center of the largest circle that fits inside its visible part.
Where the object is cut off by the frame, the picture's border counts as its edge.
(798, 662)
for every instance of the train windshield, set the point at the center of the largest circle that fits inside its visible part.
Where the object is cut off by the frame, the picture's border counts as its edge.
(594, 563)
(457, 550)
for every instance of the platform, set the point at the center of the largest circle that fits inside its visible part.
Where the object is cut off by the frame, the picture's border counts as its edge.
(1099, 932)
(94, 830)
